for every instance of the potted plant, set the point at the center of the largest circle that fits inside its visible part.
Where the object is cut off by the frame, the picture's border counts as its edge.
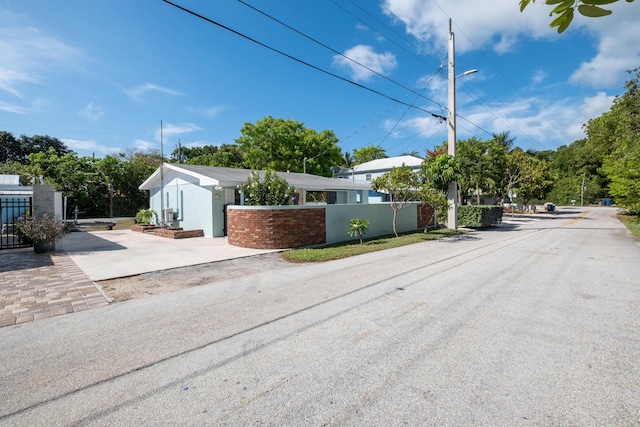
(43, 231)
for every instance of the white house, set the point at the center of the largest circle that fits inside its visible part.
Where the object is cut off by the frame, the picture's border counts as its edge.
(196, 197)
(370, 170)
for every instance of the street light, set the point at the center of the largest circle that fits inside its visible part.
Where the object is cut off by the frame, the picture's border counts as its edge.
(452, 190)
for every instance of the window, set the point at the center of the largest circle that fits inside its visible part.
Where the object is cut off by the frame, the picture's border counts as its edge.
(368, 177)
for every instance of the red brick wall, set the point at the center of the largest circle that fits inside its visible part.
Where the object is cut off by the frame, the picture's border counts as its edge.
(276, 228)
(425, 216)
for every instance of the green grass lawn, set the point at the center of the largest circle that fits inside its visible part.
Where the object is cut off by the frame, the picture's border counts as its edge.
(351, 248)
(632, 222)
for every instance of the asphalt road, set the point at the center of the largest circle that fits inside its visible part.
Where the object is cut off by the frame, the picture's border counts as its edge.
(535, 322)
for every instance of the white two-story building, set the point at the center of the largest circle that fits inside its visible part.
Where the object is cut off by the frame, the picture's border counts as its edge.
(370, 170)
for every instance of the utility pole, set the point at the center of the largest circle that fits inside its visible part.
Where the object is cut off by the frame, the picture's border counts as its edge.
(452, 191)
(584, 175)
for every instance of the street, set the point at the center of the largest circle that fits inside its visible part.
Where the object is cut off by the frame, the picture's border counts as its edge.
(533, 322)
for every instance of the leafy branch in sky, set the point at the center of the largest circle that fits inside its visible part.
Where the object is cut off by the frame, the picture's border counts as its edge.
(565, 10)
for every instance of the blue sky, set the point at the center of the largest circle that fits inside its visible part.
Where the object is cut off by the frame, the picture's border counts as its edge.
(101, 75)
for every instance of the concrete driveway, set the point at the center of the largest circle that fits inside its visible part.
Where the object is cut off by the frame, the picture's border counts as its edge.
(111, 254)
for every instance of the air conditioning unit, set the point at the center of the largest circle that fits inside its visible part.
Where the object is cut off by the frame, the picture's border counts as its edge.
(167, 215)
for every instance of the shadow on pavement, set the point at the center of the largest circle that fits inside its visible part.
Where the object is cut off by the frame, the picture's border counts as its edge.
(80, 242)
(23, 259)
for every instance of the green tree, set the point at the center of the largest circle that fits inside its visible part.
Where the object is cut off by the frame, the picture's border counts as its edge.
(499, 147)
(225, 155)
(347, 160)
(10, 149)
(287, 145)
(475, 168)
(123, 177)
(570, 164)
(18, 149)
(76, 177)
(401, 184)
(565, 10)
(267, 190)
(436, 174)
(367, 154)
(440, 170)
(534, 177)
(621, 127)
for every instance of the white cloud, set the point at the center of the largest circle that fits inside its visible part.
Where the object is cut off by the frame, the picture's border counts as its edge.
(12, 108)
(539, 76)
(209, 112)
(91, 112)
(139, 92)
(144, 146)
(37, 104)
(595, 106)
(88, 145)
(29, 54)
(501, 25)
(497, 26)
(169, 130)
(618, 51)
(381, 63)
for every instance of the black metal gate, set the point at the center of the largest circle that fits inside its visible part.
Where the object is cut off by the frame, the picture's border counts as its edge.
(10, 210)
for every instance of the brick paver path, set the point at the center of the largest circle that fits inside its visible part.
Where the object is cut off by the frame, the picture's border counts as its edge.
(37, 286)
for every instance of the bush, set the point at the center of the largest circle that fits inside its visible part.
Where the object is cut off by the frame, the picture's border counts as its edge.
(45, 228)
(145, 216)
(479, 216)
(270, 190)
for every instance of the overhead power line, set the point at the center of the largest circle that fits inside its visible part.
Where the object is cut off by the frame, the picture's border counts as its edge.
(418, 48)
(211, 21)
(336, 51)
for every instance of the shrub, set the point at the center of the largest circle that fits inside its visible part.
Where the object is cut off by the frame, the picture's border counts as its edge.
(44, 228)
(479, 216)
(270, 190)
(144, 216)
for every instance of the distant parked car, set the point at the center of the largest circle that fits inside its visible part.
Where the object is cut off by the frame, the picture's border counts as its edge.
(549, 207)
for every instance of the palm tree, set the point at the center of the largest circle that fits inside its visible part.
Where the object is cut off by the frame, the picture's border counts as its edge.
(347, 160)
(504, 139)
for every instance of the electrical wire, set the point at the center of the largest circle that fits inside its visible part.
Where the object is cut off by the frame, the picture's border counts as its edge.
(418, 48)
(211, 21)
(335, 51)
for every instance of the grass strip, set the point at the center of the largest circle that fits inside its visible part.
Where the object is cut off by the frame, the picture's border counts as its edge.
(632, 222)
(353, 247)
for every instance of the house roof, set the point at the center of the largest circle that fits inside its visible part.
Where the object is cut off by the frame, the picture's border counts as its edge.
(232, 178)
(383, 165)
(9, 180)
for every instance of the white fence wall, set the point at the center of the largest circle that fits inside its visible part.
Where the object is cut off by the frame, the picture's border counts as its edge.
(380, 216)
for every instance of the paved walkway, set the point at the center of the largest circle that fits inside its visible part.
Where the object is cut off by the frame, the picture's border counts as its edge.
(37, 286)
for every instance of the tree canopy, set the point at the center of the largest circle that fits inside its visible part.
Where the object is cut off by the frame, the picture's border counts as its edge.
(616, 132)
(368, 153)
(18, 149)
(565, 10)
(287, 145)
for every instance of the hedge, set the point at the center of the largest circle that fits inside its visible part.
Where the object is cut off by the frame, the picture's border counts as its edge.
(479, 216)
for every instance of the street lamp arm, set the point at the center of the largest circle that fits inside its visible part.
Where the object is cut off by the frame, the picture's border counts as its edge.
(466, 73)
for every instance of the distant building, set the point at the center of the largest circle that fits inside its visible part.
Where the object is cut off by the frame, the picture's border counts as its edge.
(370, 170)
